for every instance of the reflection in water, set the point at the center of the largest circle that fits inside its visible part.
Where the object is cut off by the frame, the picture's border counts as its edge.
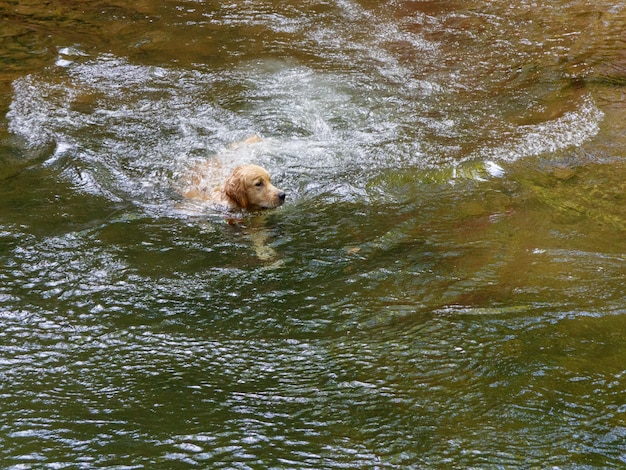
(444, 286)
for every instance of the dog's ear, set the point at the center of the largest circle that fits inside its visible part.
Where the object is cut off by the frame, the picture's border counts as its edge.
(235, 188)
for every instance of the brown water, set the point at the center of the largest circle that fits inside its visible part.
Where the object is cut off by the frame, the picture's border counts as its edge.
(444, 287)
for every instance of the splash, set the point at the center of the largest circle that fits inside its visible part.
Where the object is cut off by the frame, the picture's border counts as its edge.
(126, 131)
(572, 129)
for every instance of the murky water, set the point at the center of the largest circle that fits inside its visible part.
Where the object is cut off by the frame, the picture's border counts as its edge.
(444, 286)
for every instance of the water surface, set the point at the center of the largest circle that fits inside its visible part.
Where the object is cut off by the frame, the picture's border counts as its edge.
(444, 286)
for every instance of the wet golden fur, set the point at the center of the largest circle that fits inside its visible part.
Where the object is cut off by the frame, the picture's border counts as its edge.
(248, 187)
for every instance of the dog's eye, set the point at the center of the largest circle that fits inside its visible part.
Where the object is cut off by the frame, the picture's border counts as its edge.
(259, 183)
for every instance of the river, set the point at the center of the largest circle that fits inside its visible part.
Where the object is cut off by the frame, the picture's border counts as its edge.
(444, 286)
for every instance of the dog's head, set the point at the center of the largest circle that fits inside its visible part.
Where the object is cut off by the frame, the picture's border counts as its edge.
(249, 187)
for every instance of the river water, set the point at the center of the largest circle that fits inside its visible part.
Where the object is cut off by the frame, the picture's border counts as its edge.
(444, 287)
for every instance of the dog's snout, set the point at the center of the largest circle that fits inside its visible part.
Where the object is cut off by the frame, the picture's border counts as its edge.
(282, 196)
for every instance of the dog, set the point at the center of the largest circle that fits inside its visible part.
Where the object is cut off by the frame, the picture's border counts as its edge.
(248, 187)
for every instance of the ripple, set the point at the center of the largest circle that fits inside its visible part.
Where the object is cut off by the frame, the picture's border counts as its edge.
(572, 129)
(423, 309)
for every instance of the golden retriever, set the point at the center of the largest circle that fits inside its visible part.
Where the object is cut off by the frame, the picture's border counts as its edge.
(248, 187)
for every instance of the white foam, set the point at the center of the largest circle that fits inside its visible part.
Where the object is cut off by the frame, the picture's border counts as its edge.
(572, 129)
(494, 169)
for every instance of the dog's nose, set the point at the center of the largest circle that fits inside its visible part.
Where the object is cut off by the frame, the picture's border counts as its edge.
(282, 196)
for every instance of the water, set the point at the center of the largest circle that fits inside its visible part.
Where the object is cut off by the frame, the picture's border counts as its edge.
(444, 286)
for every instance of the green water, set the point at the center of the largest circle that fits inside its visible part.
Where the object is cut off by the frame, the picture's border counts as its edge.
(444, 286)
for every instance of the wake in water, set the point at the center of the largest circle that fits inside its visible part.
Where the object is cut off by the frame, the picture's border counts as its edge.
(126, 131)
